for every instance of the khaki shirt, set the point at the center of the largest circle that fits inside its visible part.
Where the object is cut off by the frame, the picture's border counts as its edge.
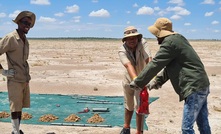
(17, 53)
(142, 53)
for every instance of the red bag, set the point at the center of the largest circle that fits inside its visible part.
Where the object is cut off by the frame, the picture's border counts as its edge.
(144, 102)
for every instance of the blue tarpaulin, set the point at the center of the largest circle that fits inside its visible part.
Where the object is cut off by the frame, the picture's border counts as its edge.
(64, 105)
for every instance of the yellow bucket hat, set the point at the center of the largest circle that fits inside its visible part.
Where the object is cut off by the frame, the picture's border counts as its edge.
(161, 28)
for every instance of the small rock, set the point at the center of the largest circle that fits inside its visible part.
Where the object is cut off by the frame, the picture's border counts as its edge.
(171, 121)
(95, 89)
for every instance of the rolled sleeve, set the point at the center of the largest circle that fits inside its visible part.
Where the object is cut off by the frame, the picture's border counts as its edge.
(4, 45)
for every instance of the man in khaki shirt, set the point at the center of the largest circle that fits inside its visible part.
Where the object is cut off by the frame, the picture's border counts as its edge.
(134, 55)
(16, 47)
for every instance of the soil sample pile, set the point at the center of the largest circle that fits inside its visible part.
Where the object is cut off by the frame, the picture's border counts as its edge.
(72, 118)
(96, 118)
(48, 118)
(4, 114)
(26, 116)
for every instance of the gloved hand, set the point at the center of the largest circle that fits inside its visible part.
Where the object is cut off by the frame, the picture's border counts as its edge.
(134, 86)
(8, 73)
(153, 85)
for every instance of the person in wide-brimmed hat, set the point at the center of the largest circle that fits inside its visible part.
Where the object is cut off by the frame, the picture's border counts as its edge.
(134, 55)
(183, 67)
(131, 31)
(16, 47)
(25, 14)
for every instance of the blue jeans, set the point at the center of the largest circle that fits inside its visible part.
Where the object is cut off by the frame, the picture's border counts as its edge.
(195, 109)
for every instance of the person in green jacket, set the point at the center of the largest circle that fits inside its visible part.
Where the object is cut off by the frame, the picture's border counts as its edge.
(178, 62)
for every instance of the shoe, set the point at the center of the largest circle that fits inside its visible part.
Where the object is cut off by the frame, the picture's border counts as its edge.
(125, 131)
(21, 132)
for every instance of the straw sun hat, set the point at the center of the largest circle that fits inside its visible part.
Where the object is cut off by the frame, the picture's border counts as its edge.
(161, 28)
(131, 31)
(25, 14)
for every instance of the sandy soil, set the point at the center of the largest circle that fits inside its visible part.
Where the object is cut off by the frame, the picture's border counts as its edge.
(78, 66)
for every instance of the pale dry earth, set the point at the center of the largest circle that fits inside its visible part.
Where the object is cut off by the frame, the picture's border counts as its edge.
(68, 66)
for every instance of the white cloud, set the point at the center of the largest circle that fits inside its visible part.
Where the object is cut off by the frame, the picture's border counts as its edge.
(59, 14)
(72, 9)
(14, 14)
(184, 12)
(100, 13)
(2, 15)
(187, 24)
(128, 22)
(156, 8)
(155, 1)
(215, 22)
(108, 30)
(145, 10)
(193, 30)
(211, 2)
(135, 5)
(46, 19)
(216, 31)
(95, 1)
(179, 10)
(162, 13)
(128, 12)
(209, 14)
(175, 17)
(77, 19)
(178, 2)
(40, 2)
(62, 22)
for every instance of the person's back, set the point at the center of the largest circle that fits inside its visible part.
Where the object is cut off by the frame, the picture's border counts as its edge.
(185, 70)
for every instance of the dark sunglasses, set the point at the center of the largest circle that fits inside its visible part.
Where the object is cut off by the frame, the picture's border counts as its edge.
(26, 23)
(130, 31)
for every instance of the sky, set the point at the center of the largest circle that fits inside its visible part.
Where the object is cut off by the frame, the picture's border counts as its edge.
(195, 19)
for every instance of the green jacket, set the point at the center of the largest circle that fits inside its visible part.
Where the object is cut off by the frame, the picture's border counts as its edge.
(180, 64)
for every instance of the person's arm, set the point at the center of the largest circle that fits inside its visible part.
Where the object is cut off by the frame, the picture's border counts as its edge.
(131, 71)
(163, 57)
(4, 45)
(126, 63)
(158, 80)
